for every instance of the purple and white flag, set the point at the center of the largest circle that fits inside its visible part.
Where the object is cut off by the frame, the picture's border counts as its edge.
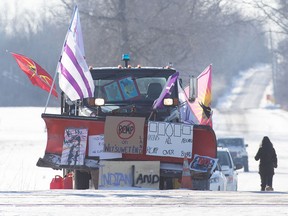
(166, 91)
(75, 79)
(76, 29)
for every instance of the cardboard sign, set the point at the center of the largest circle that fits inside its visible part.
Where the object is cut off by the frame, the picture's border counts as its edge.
(74, 146)
(140, 174)
(96, 148)
(169, 139)
(124, 134)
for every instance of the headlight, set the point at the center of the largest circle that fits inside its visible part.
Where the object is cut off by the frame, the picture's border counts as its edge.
(168, 101)
(214, 180)
(99, 101)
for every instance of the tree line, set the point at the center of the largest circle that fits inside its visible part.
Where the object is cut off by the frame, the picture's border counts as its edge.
(188, 34)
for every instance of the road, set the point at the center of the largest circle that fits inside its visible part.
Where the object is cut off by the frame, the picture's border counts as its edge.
(142, 202)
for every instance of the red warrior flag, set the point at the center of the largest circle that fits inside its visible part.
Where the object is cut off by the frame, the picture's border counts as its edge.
(37, 75)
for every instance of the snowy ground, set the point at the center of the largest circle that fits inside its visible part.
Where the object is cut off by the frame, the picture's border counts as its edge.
(24, 187)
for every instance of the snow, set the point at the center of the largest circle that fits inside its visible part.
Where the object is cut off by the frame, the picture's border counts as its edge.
(24, 187)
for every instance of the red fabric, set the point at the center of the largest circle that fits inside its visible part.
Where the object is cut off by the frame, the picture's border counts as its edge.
(36, 73)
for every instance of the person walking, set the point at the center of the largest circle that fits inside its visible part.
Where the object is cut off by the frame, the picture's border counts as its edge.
(268, 161)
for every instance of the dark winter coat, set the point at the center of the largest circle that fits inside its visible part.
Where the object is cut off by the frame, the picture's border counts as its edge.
(267, 156)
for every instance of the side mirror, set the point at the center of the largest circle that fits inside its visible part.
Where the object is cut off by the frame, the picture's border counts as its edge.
(225, 168)
(192, 89)
(238, 166)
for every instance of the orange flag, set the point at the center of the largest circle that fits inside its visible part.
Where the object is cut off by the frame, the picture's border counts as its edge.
(37, 75)
(201, 107)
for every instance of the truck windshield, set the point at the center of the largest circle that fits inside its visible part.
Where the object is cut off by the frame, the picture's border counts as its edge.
(226, 142)
(130, 85)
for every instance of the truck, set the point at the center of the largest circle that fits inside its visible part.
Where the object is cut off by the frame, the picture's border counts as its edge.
(134, 120)
(237, 148)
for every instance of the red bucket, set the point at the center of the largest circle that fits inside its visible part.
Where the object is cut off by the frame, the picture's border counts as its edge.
(68, 181)
(57, 182)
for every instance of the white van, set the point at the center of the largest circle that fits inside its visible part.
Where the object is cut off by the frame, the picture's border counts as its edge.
(228, 168)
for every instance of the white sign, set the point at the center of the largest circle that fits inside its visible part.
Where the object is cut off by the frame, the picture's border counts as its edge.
(169, 139)
(96, 148)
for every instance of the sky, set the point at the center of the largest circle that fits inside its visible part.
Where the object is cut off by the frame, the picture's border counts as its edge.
(10, 8)
(24, 187)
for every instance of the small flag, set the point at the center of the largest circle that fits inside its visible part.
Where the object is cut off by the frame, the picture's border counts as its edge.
(75, 79)
(37, 75)
(166, 91)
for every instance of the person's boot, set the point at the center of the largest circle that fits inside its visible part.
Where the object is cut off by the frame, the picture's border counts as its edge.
(269, 188)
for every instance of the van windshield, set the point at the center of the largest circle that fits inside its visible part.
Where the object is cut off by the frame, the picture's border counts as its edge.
(237, 142)
(224, 158)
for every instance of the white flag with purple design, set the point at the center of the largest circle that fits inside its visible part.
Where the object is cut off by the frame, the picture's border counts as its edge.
(75, 79)
(166, 91)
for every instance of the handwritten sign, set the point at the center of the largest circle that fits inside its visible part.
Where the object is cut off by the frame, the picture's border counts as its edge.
(169, 139)
(96, 148)
(74, 146)
(203, 164)
(140, 174)
(130, 134)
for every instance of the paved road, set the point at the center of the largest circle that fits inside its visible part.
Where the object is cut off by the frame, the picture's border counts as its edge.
(142, 202)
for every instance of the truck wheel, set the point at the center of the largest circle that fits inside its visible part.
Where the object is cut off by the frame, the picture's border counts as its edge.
(246, 166)
(81, 180)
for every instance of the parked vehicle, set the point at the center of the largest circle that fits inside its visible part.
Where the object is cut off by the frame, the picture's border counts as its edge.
(127, 95)
(237, 148)
(218, 181)
(228, 168)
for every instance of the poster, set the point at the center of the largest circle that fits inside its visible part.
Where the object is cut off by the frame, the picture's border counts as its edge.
(169, 139)
(122, 89)
(74, 146)
(129, 88)
(96, 148)
(112, 91)
(203, 164)
(124, 134)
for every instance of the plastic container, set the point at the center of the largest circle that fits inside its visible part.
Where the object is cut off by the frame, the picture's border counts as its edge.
(68, 181)
(56, 182)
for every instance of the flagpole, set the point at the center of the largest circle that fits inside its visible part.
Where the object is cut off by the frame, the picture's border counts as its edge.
(51, 88)
(59, 60)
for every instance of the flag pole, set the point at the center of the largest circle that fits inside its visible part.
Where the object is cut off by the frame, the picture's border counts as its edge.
(59, 61)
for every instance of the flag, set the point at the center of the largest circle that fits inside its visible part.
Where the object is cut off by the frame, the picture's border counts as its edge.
(201, 107)
(37, 75)
(166, 91)
(75, 79)
(76, 29)
(186, 114)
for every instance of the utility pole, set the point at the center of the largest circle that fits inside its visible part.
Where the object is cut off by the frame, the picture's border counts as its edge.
(274, 66)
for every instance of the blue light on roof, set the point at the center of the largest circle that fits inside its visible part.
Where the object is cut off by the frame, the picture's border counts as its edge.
(125, 57)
